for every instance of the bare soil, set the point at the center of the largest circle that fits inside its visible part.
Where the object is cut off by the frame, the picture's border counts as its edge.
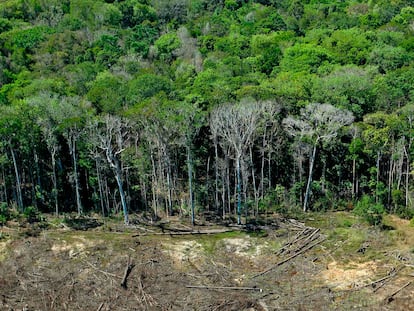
(60, 268)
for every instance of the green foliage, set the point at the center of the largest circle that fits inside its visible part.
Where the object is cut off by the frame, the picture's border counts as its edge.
(80, 75)
(145, 86)
(134, 13)
(389, 58)
(140, 38)
(5, 25)
(234, 44)
(304, 58)
(25, 39)
(266, 49)
(349, 46)
(107, 92)
(347, 87)
(166, 45)
(166, 60)
(4, 213)
(106, 50)
(367, 208)
(32, 214)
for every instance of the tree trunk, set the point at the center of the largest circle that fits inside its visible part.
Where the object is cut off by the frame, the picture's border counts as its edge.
(378, 176)
(262, 165)
(228, 184)
(391, 169)
(5, 197)
(38, 179)
(353, 178)
(169, 196)
(100, 187)
(118, 177)
(18, 183)
(238, 189)
(154, 187)
(255, 190)
(72, 145)
(407, 175)
(190, 184)
(107, 196)
(54, 181)
(207, 200)
(216, 172)
(309, 183)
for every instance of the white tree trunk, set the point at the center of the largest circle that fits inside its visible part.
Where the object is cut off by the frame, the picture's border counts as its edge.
(309, 183)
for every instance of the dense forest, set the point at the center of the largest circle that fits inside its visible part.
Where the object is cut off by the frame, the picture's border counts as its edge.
(228, 107)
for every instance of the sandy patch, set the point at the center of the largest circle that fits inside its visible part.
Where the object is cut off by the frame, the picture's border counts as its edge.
(245, 247)
(3, 249)
(74, 248)
(184, 252)
(349, 276)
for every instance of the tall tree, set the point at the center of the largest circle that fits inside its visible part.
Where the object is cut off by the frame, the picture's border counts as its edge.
(316, 124)
(48, 105)
(71, 117)
(235, 125)
(111, 134)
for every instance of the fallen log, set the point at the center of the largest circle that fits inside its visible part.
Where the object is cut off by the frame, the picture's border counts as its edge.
(297, 237)
(194, 232)
(390, 298)
(224, 288)
(377, 284)
(100, 306)
(300, 240)
(289, 258)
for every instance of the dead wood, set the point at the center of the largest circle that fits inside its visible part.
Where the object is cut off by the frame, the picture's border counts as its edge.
(300, 240)
(224, 288)
(296, 238)
(377, 284)
(289, 258)
(99, 270)
(193, 232)
(100, 306)
(306, 240)
(128, 270)
(390, 298)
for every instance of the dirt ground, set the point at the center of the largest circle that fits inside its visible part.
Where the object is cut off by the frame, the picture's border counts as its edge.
(60, 268)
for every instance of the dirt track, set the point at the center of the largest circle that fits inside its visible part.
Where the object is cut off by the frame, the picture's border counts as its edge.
(65, 269)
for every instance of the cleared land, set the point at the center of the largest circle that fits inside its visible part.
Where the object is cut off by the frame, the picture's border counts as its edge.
(324, 262)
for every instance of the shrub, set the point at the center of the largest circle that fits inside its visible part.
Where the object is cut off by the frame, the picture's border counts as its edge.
(371, 211)
(4, 213)
(32, 214)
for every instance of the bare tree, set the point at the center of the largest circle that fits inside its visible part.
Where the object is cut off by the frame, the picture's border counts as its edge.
(111, 135)
(317, 123)
(407, 115)
(235, 126)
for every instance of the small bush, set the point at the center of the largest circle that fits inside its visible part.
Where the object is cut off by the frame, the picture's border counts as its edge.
(367, 208)
(32, 214)
(405, 212)
(4, 213)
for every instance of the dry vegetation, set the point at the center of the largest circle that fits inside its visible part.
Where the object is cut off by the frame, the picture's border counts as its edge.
(349, 266)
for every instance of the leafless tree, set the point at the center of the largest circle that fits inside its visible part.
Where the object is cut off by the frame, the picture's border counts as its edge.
(111, 135)
(234, 125)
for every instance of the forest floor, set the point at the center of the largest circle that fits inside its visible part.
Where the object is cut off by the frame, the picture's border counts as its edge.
(329, 261)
